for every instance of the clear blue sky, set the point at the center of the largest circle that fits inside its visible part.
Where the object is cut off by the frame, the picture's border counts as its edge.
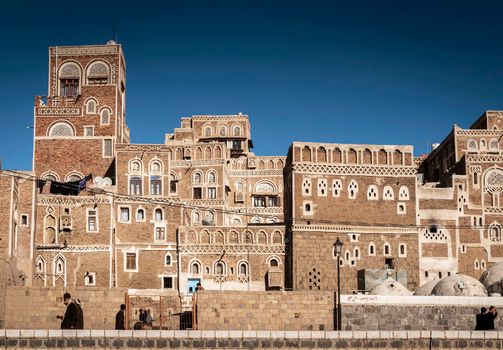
(381, 72)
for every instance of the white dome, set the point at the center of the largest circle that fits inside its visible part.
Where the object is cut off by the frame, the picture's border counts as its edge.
(389, 287)
(459, 285)
(426, 288)
(493, 277)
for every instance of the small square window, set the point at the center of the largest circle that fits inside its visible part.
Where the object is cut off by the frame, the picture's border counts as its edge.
(88, 131)
(167, 282)
(124, 214)
(212, 193)
(24, 220)
(90, 279)
(198, 193)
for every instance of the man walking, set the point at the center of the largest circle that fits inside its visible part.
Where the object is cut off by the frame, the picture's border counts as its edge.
(74, 318)
(490, 316)
(480, 324)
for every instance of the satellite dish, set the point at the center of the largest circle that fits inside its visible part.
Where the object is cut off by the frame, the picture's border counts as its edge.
(98, 181)
(107, 181)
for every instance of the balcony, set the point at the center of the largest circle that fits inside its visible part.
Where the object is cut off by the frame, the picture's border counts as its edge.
(55, 106)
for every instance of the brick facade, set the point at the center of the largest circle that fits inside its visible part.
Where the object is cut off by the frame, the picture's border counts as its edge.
(202, 207)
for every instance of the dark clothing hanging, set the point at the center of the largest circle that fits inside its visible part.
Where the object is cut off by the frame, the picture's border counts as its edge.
(71, 188)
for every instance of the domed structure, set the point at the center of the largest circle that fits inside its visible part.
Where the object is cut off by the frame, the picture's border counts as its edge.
(459, 285)
(389, 287)
(426, 288)
(492, 278)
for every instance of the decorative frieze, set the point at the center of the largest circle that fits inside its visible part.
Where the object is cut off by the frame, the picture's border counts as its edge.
(71, 201)
(76, 249)
(484, 158)
(357, 229)
(231, 249)
(86, 50)
(58, 111)
(341, 169)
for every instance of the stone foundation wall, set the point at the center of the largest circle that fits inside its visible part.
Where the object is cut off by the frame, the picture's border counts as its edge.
(87, 339)
(304, 311)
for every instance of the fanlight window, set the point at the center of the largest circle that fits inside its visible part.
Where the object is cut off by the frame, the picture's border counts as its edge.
(97, 74)
(105, 116)
(195, 268)
(61, 129)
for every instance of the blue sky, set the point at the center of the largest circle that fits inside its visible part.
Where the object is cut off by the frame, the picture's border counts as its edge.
(379, 72)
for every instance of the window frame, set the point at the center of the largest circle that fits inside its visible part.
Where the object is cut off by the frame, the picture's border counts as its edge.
(96, 223)
(126, 261)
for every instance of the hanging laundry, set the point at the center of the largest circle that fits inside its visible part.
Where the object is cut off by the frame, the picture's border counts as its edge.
(71, 188)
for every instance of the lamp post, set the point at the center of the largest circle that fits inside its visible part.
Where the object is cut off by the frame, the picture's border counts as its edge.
(338, 248)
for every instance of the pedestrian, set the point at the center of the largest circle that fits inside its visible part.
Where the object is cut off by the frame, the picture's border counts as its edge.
(490, 316)
(199, 287)
(480, 319)
(74, 316)
(148, 318)
(142, 316)
(120, 317)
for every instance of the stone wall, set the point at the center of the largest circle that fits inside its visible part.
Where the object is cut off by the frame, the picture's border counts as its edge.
(92, 339)
(28, 308)
(302, 311)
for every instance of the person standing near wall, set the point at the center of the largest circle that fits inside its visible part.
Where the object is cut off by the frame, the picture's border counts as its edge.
(120, 317)
(480, 319)
(490, 316)
(74, 316)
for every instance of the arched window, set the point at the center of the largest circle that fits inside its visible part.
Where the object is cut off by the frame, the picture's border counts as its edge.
(403, 193)
(222, 130)
(91, 106)
(483, 144)
(140, 215)
(240, 186)
(352, 189)
(210, 217)
(158, 214)
(40, 265)
(197, 179)
(167, 259)
(372, 249)
(236, 130)
(208, 131)
(61, 129)
(356, 253)
(493, 145)
(472, 145)
(243, 269)
(196, 218)
(372, 193)
(105, 116)
(273, 262)
(73, 176)
(212, 177)
(69, 79)
(97, 73)
(386, 249)
(195, 268)
(155, 167)
(219, 268)
(388, 193)
(476, 264)
(135, 167)
(495, 233)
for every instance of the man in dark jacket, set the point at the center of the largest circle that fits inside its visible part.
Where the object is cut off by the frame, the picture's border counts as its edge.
(490, 316)
(73, 318)
(481, 320)
(120, 317)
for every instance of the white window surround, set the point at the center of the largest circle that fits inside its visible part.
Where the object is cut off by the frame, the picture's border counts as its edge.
(401, 208)
(144, 215)
(97, 227)
(336, 187)
(90, 279)
(306, 187)
(119, 212)
(388, 193)
(88, 130)
(404, 254)
(322, 187)
(372, 252)
(136, 260)
(108, 148)
(388, 253)
(173, 281)
(372, 193)
(170, 259)
(305, 206)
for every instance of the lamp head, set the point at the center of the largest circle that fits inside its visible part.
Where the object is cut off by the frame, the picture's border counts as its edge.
(338, 246)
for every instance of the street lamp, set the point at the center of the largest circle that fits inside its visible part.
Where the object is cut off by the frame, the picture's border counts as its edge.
(338, 248)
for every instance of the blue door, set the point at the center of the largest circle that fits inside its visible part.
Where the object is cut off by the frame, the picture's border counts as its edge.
(192, 283)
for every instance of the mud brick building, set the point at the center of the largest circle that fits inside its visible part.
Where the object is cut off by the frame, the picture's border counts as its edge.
(202, 207)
